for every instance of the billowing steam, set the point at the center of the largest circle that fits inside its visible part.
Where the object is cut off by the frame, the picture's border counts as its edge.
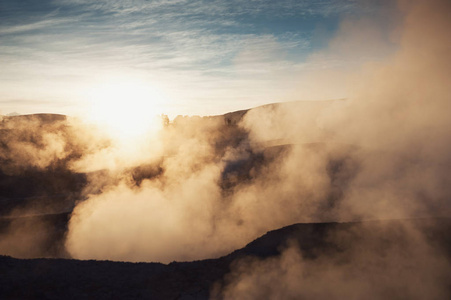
(391, 260)
(383, 153)
(203, 187)
(399, 118)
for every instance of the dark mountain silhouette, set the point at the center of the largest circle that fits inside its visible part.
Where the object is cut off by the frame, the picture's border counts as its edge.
(73, 279)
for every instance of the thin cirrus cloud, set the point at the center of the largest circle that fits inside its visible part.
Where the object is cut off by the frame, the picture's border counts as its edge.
(208, 56)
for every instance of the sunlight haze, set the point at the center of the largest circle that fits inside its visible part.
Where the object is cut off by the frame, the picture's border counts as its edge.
(205, 57)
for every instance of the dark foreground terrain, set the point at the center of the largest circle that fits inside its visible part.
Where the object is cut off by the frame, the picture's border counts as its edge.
(341, 242)
(381, 259)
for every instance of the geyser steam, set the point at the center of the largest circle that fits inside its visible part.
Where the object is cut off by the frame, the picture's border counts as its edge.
(384, 153)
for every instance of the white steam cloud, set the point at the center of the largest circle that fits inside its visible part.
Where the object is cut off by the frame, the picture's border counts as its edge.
(383, 153)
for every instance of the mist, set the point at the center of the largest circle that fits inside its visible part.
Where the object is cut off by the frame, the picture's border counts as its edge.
(201, 187)
(398, 117)
(374, 260)
(382, 153)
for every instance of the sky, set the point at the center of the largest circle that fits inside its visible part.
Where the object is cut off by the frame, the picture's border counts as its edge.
(175, 57)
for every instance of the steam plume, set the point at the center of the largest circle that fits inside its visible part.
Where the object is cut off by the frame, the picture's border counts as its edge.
(381, 154)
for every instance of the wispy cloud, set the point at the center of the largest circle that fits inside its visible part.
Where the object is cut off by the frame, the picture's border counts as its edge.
(32, 26)
(198, 44)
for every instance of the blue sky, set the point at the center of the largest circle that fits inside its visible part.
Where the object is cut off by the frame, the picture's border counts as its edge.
(198, 57)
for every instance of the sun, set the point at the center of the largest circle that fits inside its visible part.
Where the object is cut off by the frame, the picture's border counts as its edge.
(127, 109)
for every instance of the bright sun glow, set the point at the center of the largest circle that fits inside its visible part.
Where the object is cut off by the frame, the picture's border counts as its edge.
(128, 109)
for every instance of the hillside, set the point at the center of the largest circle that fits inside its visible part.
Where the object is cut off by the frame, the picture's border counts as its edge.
(73, 279)
(205, 210)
